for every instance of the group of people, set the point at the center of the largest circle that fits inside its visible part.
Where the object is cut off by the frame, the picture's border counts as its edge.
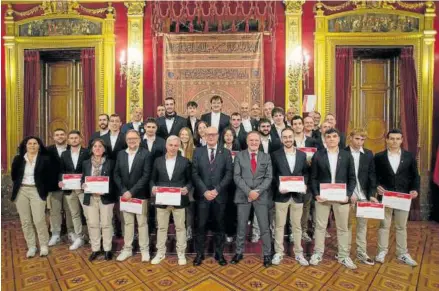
(227, 169)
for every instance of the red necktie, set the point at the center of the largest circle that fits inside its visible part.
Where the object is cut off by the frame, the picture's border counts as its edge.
(253, 162)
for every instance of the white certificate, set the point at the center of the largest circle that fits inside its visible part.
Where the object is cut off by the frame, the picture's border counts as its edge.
(71, 181)
(168, 196)
(370, 210)
(309, 152)
(333, 192)
(292, 184)
(132, 205)
(97, 184)
(397, 200)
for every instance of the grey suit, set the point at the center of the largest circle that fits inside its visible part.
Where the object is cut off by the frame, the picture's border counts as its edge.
(246, 181)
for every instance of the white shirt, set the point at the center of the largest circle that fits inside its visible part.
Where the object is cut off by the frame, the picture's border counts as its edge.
(247, 124)
(136, 125)
(193, 121)
(209, 149)
(202, 141)
(131, 156)
(302, 143)
(291, 158)
(149, 141)
(279, 130)
(356, 155)
(237, 130)
(266, 143)
(101, 133)
(29, 171)
(170, 166)
(394, 160)
(333, 157)
(169, 122)
(113, 139)
(75, 157)
(215, 119)
(61, 149)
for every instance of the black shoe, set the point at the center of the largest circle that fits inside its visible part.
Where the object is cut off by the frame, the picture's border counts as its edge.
(198, 260)
(221, 260)
(267, 261)
(108, 256)
(236, 258)
(93, 256)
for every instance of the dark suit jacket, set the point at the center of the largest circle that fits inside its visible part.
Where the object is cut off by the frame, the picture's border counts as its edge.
(317, 135)
(207, 176)
(158, 147)
(321, 171)
(67, 166)
(273, 145)
(223, 123)
(406, 178)
(42, 179)
(107, 170)
(274, 134)
(181, 177)
(95, 135)
(281, 168)
(366, 173)
(55, 169)
(129, 125)
(118, 146)
(309, 143)
(177, 125)
(189, 124)
(242, 138)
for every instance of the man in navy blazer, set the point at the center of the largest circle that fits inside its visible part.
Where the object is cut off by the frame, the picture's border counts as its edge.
(216, 118)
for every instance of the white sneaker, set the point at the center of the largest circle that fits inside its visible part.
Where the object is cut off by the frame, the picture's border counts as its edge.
(44, 251)
(182, 260)
(381, 257)
(145, 257)
(79, 242)
(277, 258)
(72, 237)
(407, 259)
(55, 239)
(302, 261)
(157, 259)
(291, 238)
(365, 259)
(31, 252)
(124, 255)
(315, 259)
(306, 238)
(348, 263)
(255, 239)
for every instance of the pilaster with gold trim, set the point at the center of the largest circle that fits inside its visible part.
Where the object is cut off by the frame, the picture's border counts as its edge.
(319, 66)
(109, 60)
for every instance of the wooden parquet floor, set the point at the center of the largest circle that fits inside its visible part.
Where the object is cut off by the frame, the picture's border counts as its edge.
(66, 270)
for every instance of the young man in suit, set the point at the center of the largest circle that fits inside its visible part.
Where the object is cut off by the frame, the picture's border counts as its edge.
(268, 110)
(103, 121)
(241, 134)
(171, 170)
(171, 123)
(216, 118)
(364, 190)
(114, 139)
(248, 122)
(151, 142)
(319, 136)
(131, 175)
(279, 124)
(192, 111)
(71, 163)
(160, 111)
(396, 171)
(330, 118)
(211, 174)
(288, 161)
(332, 165)
(136, 122)
(253, 175)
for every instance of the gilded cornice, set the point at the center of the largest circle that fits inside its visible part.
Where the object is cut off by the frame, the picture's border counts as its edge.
(135, 8)
(384, 4)
(293, 6)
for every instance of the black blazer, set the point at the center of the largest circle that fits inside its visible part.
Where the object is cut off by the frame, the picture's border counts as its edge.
(189, 124)
(321, 171)
(118, 146)
(274, 134)
(107, 170)
(242, 138)
(42, 179)
(158, 147)
(95, 135)
(207, 176)
(406, 178)
(273, 145)
(129, 125)
(177, 125)
(55, 169)
(181, 177)
(135, 181)
(67, 166)
(223, 122)
(366, 173)
(281, 168)
(309, 143)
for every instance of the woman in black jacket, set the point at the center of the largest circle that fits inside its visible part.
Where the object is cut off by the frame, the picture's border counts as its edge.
(30, 179)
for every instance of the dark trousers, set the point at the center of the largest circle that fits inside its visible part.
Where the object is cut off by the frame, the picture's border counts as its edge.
(217, 210)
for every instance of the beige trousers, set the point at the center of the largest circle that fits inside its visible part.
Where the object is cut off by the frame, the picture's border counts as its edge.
(142, 224)
(401, 218)
(57, 202)
(341, 212)
(296, 210)
(32, 211)
(74, 203)
(163, 215)
(99, 220)
(361, 230)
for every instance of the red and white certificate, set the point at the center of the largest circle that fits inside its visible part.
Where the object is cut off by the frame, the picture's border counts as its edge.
(132, 205)
(71, 181)
(168, 196)
(397, 200)
(292, 184)
(370, 210)
(333, 192)
(234, 153)
(97, 184)
(309, 152)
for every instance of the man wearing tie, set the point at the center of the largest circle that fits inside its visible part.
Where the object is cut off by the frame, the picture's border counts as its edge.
(396, 171)
(253, 176)
(114, 139)
(216, 118)
(171, 123)
(151, 142)
(192, 111)
(212, 174)
(136, 122)
(131, 176)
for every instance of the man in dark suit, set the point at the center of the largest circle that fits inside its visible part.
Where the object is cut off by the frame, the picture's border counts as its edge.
(131, 175)
(212, 174)
(151, 142)
(319, 135)
(103, 121)
(396, 171)
(364, 190)
(253, 175)
(308, 124)
(114, 139)
(71, 163)
(192, 111)
(288, 161)
(278, 115)
(216, 118)
(160, 111)
(248, 122)
(171, 123)
(241, 134)
(330, 118)
(332, 165)
(136, 122)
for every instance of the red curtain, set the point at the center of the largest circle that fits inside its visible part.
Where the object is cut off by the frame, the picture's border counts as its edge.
(344, 68)
(89, 99)
(31, 90)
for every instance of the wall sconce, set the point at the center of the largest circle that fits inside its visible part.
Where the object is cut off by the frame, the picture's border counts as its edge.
(130, 71)
(298, 70)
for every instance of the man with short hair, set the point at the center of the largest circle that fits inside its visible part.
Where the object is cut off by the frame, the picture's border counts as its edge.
(330, 118)
(192, 111)
(103, 121)
(278, 116)
(248, 122)
(268, 108)
(319, 135)
(160, 111)
(171, 123)
(317, 117)
(256, 113)
(291, 112)
(136, 122)
(268, 145)
(238, 127)
(151, 142)
(114, 139)
(216, 118)
(308, 126)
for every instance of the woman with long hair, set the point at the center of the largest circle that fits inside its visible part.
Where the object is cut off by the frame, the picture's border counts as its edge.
(229, 140)
(199, 137)
(30, 177)
(187, 146)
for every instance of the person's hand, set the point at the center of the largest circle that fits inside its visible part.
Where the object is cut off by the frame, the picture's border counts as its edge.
(373, 199)
(353, 199)
(414, 194)
(253, 195)
(209, 195)
(283, 191)
(380, 190)
(60, 184)
(154, 190)
(127, 195)
(214, 192)
(84, 186)
(184, 191)
(320, 199)
(346, 200)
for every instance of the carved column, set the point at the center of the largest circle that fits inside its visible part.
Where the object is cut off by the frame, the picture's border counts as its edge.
(109, 61)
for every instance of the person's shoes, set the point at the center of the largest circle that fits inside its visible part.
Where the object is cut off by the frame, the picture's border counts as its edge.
(93, 256)
(72, 237)
(365, 259)
(381, 257)
(255, 239)
(315, 259)
(182, 260)
(306, 238)
(407, 259)
(31, 252)
(124, 255)
(277, 258)
(145, 257)
(236, 258)
(79, 242)
(108, 256)
(157, 259)
(198, 260)
(44, 251)
(348, 263)
(55, 239)
(302, 261)
(267, 261)
(221, 260)
(291, 238)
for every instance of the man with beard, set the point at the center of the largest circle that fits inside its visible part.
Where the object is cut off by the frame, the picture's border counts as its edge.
(136, 122)
(161, 111)
(216, 118)
(248, 122)
(104, 119)
(171, 123)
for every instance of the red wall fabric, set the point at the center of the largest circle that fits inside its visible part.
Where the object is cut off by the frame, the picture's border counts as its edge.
(279, 64)
(148, 65)
(308, 28)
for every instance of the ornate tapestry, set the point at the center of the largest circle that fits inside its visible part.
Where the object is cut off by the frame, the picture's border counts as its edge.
(60, 26)
(196, 67)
